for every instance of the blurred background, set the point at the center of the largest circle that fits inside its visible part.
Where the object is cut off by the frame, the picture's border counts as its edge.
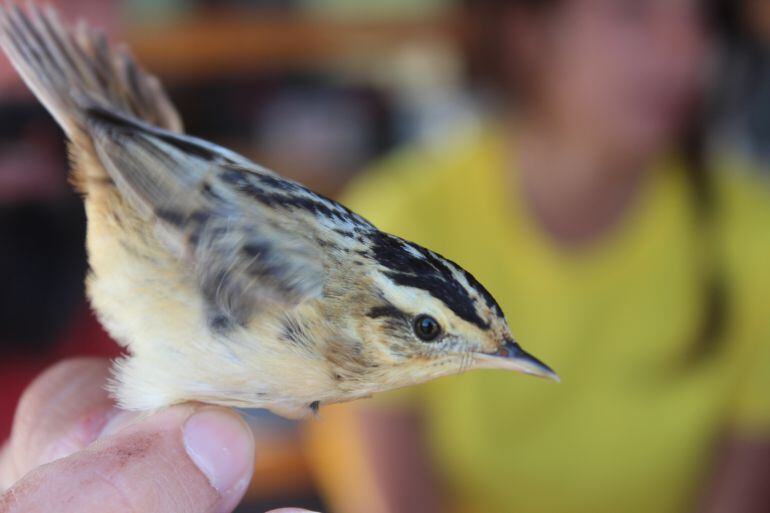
(599, 164)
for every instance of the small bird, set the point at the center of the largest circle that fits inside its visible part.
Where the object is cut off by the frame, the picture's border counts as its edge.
(226, 283)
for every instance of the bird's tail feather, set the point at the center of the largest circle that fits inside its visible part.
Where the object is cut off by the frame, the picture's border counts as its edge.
(73, 70)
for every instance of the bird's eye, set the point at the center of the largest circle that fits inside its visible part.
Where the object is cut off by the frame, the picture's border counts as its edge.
(426, 328)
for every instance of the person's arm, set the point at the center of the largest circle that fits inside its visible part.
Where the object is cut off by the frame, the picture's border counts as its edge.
(71, 450)
(741, 480)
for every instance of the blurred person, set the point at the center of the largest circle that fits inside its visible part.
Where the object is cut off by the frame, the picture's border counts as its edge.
(626, 256)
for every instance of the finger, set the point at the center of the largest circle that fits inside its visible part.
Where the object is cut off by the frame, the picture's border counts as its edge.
(61, 412)
(290, 510)
(188, 458)
(7, 475)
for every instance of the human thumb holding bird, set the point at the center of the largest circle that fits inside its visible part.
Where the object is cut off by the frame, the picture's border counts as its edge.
(71, 449)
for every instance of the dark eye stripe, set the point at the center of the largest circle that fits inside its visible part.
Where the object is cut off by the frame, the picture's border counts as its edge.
(387, 311)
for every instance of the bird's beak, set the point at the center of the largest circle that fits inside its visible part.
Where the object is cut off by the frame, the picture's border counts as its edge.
(511, 356)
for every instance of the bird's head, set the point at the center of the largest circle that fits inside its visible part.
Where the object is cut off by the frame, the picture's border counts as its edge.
(426, 317)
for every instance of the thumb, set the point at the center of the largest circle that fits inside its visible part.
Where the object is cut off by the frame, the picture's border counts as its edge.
(188, 458)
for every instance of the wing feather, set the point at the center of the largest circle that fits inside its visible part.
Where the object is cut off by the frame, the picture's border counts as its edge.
(242, 258)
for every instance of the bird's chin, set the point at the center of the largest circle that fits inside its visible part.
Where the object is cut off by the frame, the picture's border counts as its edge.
(511, 356)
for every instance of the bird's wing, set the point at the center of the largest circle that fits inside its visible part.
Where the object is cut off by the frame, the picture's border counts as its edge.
(239, 225)
(204, 200)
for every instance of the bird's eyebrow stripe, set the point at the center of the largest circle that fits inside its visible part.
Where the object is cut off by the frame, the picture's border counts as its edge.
(449, 291)
(409, 264)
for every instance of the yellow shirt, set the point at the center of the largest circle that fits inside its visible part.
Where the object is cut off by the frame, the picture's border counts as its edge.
(632, 426)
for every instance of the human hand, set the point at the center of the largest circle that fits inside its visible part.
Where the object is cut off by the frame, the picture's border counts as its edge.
(72, 450)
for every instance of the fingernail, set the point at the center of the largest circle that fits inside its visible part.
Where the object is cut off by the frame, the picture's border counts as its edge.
(222, 447)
